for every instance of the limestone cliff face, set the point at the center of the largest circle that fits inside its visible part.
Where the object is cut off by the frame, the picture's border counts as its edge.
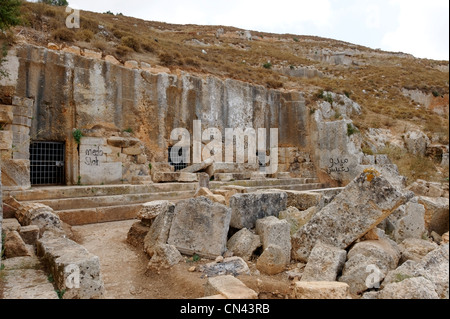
(72, 91)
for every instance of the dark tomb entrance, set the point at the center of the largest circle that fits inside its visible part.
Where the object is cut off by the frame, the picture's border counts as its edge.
(47, 163)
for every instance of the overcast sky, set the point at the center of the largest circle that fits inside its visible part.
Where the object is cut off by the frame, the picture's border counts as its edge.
(419, 27)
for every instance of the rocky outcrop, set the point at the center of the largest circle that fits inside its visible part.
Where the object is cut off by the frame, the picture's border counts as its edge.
(244, 243)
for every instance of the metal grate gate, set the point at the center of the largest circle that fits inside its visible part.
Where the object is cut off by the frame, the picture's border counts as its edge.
(178, 161)
(47, 163)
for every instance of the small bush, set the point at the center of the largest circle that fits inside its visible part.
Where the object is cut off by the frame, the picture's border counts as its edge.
(100, 44)
(296, 39)
(85, 35)
(132, 43)
(274, 84)
(63, 34)
(351, 129)
(148, 46)
(123, 51)
(77, 135)
(436, 94)
(329, 98)
(167, 59)
(267, 65)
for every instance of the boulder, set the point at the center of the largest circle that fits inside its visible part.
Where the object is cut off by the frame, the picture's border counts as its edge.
(15, 246)
(324, 263)
(164, 257)
(415, 249)
(244, 243)
(360, 207)
(436, 214)
(248, 208)
(303, 200)
(274, 231)
(137, 233)
(229, 266)
(365, 256)
(10, 224)
(15, 174)
(200, 227)
(407, 221)
(151, 210)
(272, 261)
(198, 167)
(411, 288)
(158, 233)
(229, 287)
(205, 192)
(321, 290)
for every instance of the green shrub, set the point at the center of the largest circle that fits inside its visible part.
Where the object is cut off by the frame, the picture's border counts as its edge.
(267, 65)
(77, 135)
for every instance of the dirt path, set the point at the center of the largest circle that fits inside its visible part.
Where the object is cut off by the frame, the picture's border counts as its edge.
(124, 269)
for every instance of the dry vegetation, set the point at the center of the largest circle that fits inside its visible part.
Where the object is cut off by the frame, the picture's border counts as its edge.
(375, 81)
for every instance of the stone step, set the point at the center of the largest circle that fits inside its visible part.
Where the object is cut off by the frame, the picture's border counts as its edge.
(270, 182)
(295, 187)
(48, 193)
(109, 201)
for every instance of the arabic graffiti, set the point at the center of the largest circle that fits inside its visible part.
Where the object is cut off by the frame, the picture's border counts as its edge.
(339, 165)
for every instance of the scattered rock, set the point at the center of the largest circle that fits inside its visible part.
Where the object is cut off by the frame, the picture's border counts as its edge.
(39, 215)
(364, 255)
(229, 266)
(10, 224)
(192, 269)
(52, 46)
(229, 287)
(445, 238)
(159, 231)
(131, 64)
(407, 221)
(248, 208)
(112, 60)
(416, 142)
(200, 227)
(411, 288)
(164, 257)
(199, 167)
(360, 207)
(324, 263)
(151, 210)
(15, 246)
(415, 249)
(436, 214)
(272, 261)
(273, 231)
(321, 290)
(137, 234)
(244, 243)
(219, 259)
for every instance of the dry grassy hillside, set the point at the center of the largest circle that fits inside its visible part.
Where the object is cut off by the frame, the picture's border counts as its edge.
(373, 78)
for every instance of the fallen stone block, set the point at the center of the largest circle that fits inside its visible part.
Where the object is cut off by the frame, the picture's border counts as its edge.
(164, 257)
(244, 243)
(15, 246)
(324, 263)
(321, 290)
(230, 177)
(200, 227)
(74, 269)
(30, 234)
(410, 288)
(10, 224)
(407, 221)
(362, 259)
(205, 192)
(39, 215)
(229, 287)
(137, 234)
(360, 207)
(274, 231)
(248, 208)
(229, 266)
(272, 261)
(436, 214)
(220, 168)
(159, 231)
(415, 249)
(151, 210)
(198, 167)
(15, 174)
(303, 200)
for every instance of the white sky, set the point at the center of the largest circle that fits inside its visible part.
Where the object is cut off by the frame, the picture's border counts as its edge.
(418, 27)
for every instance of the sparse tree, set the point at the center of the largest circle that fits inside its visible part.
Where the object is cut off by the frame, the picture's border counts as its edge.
(59, 3)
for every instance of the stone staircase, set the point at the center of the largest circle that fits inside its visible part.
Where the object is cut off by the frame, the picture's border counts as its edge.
(81, 205)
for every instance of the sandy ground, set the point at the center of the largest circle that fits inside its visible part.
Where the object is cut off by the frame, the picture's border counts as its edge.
(125, 276)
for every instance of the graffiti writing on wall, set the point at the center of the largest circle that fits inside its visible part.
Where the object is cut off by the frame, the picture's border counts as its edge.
(339, 165)
(92, 155)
